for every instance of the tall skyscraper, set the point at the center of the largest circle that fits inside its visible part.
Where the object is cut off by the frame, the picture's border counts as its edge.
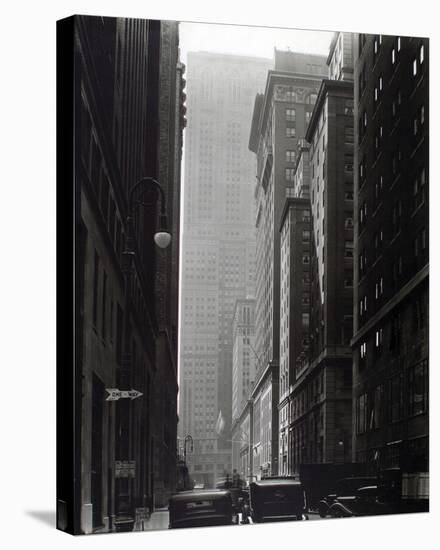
(320, 395)
(280, 119)
(218, 248)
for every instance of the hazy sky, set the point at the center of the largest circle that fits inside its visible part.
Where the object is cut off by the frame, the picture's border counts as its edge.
(253, 41)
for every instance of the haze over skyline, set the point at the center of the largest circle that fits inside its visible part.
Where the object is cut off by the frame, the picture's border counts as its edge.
(250, 40)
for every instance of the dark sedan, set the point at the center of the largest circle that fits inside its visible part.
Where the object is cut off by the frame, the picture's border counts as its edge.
(365, 503)
(200, 508)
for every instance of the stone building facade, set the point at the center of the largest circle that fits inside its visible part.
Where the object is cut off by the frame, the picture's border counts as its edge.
(280, 119)
(123, 334)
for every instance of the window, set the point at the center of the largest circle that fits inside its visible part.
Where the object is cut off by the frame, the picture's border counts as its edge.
(306, 216)
(349, 135)
(306, 235)
(348, 195)
(362, 171)
(378, 291)
(378, 339)
(290, 115)
(376, 407)
(348, 223)
(290, 156)
(414, 67)
(305, 318)
(290, 131)
(421, 54)
(378, 187)
(349, 107)
(377, 42)
(363, 214)
(418, 389)
(290, 174)
(308, 116)
(362, 263)
(306, 259)
(378, 89)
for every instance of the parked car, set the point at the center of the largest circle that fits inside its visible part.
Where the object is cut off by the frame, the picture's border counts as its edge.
(366, 502)
(277, 499)
(200, 508)
(345, 487)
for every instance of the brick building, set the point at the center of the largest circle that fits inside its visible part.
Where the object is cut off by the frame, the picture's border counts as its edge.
(390, 342)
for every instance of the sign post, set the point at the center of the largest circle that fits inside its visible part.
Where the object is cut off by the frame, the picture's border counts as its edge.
(114, 394)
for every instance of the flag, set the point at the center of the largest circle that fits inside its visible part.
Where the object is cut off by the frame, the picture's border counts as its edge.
(220, 424)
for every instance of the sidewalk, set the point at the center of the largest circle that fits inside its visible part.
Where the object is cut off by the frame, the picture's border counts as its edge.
(159, 519)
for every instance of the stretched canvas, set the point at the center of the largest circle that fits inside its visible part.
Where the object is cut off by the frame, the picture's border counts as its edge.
(243, 274)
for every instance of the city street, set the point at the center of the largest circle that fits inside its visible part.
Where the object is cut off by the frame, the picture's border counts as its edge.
(159, 520)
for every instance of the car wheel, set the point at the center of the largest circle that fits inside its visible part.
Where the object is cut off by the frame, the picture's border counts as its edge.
(322, 512)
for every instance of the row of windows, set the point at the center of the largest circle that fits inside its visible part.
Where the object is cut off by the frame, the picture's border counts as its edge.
(391, 401)
(394, 331)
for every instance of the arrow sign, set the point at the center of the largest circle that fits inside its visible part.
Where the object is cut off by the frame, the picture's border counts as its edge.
(114, 394)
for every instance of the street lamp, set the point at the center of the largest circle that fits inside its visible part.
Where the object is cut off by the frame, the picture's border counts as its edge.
(162, 238)
(188, 439)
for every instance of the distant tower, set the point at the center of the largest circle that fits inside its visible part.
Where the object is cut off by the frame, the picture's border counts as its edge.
(218, 250)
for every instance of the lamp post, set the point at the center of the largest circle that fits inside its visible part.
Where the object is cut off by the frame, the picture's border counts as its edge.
(188, 439)
(124, 451)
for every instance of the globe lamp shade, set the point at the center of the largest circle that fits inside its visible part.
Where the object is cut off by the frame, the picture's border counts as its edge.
(162, 239)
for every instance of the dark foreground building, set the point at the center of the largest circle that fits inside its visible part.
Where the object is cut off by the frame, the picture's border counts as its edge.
(128, 124)
(391, 323)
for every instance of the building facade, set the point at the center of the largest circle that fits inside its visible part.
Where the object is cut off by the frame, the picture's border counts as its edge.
(280, 119)
(243, 353)
(242, 442)
(294, 308)
(120, 327)
(391, 322)
(218, 265)
(317, 254)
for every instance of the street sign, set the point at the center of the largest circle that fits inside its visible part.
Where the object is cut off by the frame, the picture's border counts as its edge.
(114, 394)
(125, 468)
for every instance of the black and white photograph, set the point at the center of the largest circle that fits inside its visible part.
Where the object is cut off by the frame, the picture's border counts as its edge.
(248, 219)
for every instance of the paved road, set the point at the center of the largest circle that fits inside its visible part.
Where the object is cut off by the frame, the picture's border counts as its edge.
(157, 521)
(160, 518)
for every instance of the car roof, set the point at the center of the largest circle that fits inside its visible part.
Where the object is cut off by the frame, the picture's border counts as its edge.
(277, 481)
(198, 493)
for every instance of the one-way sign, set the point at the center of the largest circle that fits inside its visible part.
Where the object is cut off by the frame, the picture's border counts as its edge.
(115, 394)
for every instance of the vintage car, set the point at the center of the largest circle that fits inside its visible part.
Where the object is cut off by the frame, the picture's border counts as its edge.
(200, 508)
(276, 499)
(345, 487)
(366, 502)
